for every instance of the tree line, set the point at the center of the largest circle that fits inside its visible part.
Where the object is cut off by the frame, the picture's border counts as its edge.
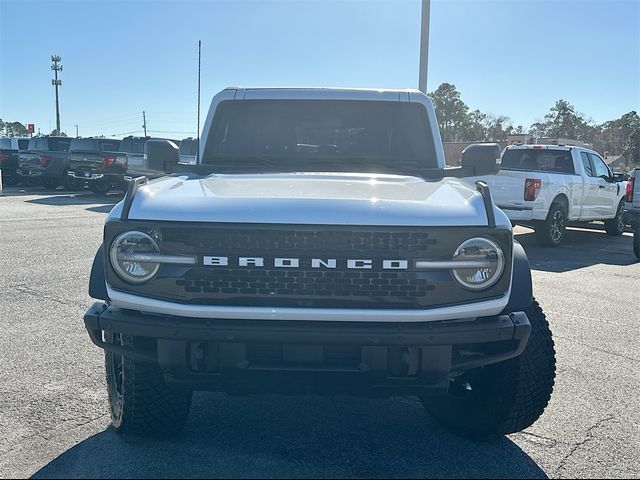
(17, 129)
(458, 124)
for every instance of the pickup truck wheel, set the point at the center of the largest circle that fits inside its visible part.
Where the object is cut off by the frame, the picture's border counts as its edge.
(503, 398)
(636, 242)
(616, 225)
(140, 401)
(100, 187)
(50, 183)
(551, 232)
(73, 184)
(9, 180)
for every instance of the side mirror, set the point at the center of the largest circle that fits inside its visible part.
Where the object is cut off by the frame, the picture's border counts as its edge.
(481, 159)
(161, 155)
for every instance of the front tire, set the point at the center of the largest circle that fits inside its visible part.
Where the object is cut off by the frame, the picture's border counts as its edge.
(616, 225)
(140, 401)
(551, 231)
(502, 398)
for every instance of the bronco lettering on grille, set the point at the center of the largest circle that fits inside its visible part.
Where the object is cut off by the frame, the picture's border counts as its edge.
(259, 262)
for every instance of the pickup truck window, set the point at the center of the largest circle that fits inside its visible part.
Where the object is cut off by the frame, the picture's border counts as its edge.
(321, 135)
(23, 144)
(188, 147)
(600, 167)
(543, 160)
(5, 143)
(586, 163)
(132, 145)
(52, 144)
(108, 145)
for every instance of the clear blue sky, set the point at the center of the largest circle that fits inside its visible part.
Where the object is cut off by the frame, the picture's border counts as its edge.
(511, 58)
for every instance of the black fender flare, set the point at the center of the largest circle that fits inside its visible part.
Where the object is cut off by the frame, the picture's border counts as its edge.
(521, 285)
(97, 281)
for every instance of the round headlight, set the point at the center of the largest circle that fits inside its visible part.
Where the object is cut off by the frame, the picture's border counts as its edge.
(481, 263)
(130, 254)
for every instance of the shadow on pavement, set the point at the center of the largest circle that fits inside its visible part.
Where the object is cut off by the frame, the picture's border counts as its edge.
(580, 248)
(66, 198)
(296, 437)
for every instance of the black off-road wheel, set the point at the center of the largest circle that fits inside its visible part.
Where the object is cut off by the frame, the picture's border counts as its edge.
(100, 187)
(616, 225)
(140, 401)
(10, 179)
(74, 184)
(51, 183)
(503, 398)
(551, 232)
(636, 242)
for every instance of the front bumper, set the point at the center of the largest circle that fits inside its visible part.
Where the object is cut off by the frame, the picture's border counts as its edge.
(88, 175)
(31, 172)
(373, 359)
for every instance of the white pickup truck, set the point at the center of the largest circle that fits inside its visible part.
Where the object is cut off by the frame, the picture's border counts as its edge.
(547, 186)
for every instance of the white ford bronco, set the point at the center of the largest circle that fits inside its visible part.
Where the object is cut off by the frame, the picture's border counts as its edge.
(319, 246)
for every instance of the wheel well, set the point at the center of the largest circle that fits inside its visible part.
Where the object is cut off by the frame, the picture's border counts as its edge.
(562, 200)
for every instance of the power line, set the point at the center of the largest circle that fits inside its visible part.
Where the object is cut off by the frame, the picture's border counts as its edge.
(167, 131)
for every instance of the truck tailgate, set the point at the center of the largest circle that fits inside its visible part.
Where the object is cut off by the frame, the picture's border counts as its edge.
(507, 187)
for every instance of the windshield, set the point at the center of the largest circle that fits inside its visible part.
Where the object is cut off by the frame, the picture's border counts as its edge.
(320, 135)
(543, 160)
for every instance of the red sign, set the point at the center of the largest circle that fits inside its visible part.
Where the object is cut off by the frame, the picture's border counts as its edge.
(31, 128)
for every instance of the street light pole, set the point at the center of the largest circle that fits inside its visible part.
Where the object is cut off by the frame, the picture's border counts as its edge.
(424, 45)
(56, 59)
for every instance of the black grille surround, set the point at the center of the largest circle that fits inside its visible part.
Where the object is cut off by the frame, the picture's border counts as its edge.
(304, 286)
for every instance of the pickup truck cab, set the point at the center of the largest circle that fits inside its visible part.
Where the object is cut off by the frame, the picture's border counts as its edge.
(319, 246)
(547, 186)
(10, 149)
(45, 162)
(98, 161)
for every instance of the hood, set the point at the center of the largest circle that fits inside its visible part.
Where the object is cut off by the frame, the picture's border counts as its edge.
(310, 198)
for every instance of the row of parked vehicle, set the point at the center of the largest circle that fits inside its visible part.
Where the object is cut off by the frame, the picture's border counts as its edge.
(100, 163)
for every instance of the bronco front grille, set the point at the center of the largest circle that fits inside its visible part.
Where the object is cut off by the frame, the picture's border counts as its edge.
(305, 286)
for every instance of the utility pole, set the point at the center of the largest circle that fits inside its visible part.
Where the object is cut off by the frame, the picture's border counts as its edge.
(77, 136)
(198, 132)
(144, 123)
(56, 67)
(424, 45)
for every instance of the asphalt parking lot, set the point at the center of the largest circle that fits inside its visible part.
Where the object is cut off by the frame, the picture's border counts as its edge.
(53, 410)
